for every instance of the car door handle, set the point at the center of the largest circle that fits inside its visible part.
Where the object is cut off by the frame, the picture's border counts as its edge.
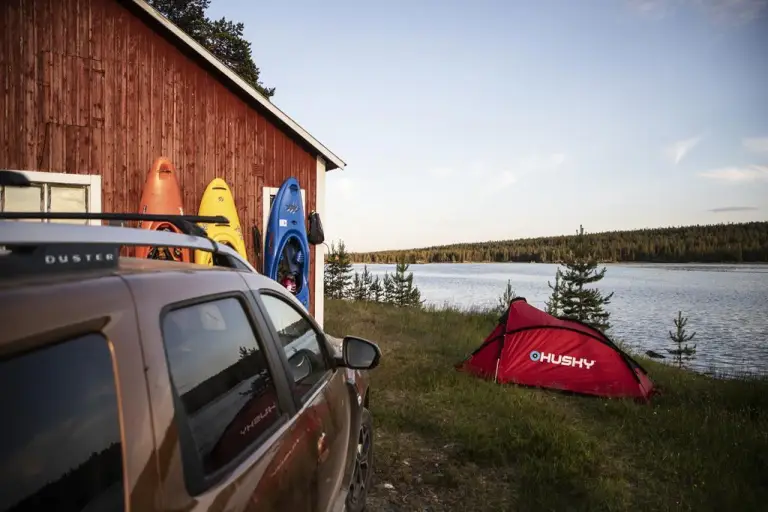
(322, 447)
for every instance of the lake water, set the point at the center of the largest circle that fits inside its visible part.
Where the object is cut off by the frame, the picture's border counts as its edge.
(727, 305)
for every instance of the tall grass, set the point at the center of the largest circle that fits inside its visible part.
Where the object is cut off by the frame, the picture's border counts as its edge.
(449, 441)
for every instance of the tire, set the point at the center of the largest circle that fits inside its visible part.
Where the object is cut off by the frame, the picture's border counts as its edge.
(363, 472)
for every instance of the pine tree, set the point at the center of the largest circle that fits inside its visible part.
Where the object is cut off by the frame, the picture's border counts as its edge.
(330, 272)
(576, 300)
(405, 293)
(377, 290)
(356, 289)
(682, 352)
(367, 279)
(338, 271)
(389, 289)
(361, 285)
(505, 298)
(553, 305)
(345, 269)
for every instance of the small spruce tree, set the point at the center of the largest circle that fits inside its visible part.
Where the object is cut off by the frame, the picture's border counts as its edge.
(356, 289)
(338, 272)
(682, 353)
(345, 269)
(377, 290)
(576, 300)
(361, 285)
(389, 289)
(405, 294)
(505, 298)
(553, 305)
(367, 282)
(330, 274)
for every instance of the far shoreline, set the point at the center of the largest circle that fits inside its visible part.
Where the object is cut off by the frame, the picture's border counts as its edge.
(629, 263)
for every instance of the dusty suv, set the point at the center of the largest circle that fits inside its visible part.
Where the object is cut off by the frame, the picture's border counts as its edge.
(144, 385)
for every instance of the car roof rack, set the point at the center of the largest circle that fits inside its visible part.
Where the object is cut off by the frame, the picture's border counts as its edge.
(37, 247)
(187, 224)
(184, 223)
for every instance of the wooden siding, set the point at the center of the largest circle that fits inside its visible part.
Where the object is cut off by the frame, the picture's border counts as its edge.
(89, 88)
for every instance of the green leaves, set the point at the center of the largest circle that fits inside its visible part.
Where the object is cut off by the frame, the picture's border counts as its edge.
(222, 37)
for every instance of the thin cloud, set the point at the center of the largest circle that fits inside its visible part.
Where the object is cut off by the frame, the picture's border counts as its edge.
(557, 159)
(534, 163)
(477, 168)
(656, 9)
(343, 187)
(441, 172)
(732, 12)
(719, 12)
(756, 144)
(727, 209)
(531, 164)
(746, 174)
(507, 178)
(677, 151)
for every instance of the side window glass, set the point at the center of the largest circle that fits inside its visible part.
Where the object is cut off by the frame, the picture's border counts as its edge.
(60, 443)
(222, 378)
(300, 342)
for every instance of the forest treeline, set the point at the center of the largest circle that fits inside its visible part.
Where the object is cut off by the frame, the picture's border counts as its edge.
(714, 243)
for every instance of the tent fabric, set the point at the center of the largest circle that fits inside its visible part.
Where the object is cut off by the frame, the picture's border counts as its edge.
(533, 348)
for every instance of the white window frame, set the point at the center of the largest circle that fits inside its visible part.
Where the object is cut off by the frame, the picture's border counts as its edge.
(266, 194)
(91, 181)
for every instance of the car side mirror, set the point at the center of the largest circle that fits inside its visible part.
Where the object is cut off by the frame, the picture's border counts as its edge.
(301, 366)
(359, 354)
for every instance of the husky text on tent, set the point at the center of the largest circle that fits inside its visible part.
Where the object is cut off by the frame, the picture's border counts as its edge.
(544, 357)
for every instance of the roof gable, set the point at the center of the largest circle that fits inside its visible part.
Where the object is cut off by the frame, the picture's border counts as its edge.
(163, 26)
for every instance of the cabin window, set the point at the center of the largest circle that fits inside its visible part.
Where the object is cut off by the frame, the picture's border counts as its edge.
(54, 192)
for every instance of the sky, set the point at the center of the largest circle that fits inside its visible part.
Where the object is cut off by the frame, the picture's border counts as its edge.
(483, 120)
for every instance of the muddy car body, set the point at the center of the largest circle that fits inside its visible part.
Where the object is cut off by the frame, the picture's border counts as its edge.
(156, 386)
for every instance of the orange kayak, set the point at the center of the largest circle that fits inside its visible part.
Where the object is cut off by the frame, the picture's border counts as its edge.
(162, 195)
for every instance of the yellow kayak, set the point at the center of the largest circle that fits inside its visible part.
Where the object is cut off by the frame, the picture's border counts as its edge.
(218, 200)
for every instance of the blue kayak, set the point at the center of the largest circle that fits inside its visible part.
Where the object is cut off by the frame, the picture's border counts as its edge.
(286, 251)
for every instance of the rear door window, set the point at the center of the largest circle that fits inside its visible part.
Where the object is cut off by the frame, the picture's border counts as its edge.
(60, 446)
(222, 380)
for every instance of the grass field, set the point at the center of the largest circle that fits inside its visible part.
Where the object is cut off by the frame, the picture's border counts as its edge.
(448, 441)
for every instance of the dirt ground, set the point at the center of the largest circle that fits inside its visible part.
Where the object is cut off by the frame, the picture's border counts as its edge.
(427, 478)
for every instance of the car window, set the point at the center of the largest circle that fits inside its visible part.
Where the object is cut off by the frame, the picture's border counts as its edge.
(60, 444)
(300, 342)
(222, 379)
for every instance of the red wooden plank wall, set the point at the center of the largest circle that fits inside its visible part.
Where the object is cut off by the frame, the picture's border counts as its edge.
(88, 88)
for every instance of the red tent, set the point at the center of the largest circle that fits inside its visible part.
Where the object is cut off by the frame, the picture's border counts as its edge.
(532, 348)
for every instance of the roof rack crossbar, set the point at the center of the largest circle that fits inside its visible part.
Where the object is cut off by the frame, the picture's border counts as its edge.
(187, 224)
(23, 233)
(149, 217)
(45, 234)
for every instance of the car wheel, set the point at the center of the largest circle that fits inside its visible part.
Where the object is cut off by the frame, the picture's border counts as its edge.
(361, 476)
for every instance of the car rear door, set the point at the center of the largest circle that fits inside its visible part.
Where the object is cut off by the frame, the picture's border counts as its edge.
(224, 419)
(76, 431)
(321, 395)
